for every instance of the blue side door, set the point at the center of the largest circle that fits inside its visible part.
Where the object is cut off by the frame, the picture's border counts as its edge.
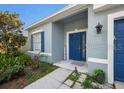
(77, 49)
(119, 50)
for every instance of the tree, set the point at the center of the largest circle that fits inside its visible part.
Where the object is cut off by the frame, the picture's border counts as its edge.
(11, 27)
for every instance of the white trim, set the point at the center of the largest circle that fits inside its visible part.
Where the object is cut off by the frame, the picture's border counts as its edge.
(36, 52)
(98, 60)
(111, 19)
(95, 6)
(67, 39)
(103, 7)
(37, 31)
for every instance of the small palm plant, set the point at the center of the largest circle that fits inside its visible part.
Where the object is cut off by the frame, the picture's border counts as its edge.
(36, 60)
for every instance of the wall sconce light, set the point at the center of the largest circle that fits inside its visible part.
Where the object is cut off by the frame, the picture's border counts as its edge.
(99, 28)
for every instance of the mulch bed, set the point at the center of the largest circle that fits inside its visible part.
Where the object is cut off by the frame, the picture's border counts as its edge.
(28, 76)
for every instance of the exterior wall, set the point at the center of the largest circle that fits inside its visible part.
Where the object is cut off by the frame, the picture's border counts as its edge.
(57, 42)
(72, 26)
(43, 58)
(76, 24)
(97, 43)
(47, 28)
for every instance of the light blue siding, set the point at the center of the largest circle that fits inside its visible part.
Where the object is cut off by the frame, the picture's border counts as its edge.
(57, 42)
(97, 43)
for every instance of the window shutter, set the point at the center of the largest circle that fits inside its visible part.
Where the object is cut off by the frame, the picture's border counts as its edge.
(31, 42)
(42, 41)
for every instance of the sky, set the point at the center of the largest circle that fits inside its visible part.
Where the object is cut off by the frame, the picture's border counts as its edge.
(30, 13)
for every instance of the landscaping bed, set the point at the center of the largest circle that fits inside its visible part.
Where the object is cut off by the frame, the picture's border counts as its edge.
(78, 80)
(28, 76)
(18, 70)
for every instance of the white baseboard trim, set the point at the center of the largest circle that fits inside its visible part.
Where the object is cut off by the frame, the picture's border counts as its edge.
(98, 60)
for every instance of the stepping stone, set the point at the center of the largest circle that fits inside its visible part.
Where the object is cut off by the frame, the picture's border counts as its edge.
(82, 78)
(63, 86)
(77, 86)
(68, 82)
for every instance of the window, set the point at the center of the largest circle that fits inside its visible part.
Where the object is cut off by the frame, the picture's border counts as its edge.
(37, 42)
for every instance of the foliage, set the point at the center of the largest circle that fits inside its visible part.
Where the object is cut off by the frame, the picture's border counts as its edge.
(99, 76)
(36, 61)
(29, 76)
(11, 65)
(11, 37)
(26, 59)
(87, 82)
(75, 76)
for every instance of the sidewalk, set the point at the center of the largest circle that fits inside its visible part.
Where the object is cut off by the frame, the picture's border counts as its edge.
(51, 81)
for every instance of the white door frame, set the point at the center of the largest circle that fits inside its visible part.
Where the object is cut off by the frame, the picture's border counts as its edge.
(67, 39)
(111, 18)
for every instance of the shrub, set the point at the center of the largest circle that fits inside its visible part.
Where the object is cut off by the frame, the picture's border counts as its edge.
(36, 61)
(87, 83)
(26, 59)
(11, 27)
(11, 65)
(99, 76)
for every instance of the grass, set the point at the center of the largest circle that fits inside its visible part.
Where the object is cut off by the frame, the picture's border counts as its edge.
(44, 69)
(74, 76)
(30, 75)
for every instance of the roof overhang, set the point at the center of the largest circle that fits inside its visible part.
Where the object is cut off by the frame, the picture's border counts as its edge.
(103, 7)
(64, 12)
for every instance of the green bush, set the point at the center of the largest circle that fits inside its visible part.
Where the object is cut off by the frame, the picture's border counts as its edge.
(99, 76)
(26, 59)
(87, 83)
(10, 65)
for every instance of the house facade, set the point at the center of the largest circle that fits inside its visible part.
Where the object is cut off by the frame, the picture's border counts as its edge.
(71, 34)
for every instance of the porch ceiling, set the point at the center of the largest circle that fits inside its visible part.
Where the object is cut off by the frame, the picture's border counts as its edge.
(79, 15)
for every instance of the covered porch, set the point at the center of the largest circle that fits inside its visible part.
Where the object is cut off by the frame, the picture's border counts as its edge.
(69, 41)
(69, 37)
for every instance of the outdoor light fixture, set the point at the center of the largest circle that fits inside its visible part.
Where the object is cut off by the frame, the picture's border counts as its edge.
(99, 28)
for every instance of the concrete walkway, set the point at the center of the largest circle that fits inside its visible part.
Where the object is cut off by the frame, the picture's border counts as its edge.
(119, 85)
(51, 81)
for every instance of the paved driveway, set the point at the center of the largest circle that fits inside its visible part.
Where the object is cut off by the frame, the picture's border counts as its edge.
(51, 81)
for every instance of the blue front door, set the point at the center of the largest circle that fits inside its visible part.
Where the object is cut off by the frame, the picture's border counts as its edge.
(119, 50)
(77, 49)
